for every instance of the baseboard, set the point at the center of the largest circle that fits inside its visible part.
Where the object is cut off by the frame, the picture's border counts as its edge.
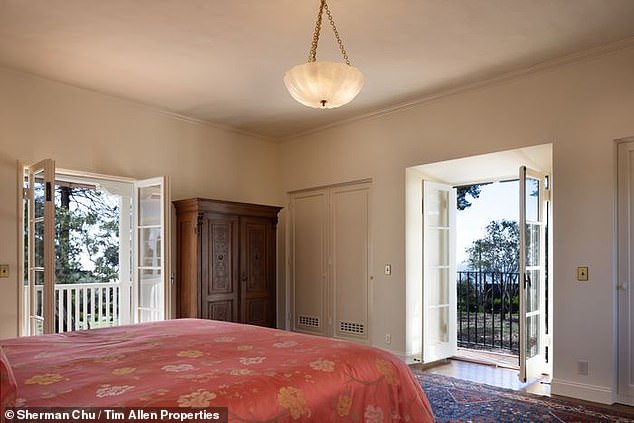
(625, 399)
(566, 388)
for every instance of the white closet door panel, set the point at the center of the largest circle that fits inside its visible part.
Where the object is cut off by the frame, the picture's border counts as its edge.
(309, 261)
(349, 255)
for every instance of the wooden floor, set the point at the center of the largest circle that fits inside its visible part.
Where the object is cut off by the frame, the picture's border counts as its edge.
(490, 375)
(500, 377)
(496, 359)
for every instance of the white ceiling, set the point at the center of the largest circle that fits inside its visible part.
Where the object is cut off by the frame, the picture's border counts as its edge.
(223, 61)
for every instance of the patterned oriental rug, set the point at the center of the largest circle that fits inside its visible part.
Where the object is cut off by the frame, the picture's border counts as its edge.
(456, 400)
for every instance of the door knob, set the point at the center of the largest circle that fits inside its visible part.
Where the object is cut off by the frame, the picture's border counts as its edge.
(623, 286)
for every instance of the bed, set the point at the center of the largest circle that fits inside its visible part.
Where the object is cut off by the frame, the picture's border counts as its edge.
(259, 374)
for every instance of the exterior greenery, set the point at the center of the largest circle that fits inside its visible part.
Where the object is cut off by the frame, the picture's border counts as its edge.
(86, 235)
(488, 292)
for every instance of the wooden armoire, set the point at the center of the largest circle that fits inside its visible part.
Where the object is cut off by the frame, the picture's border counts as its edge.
(226, 268)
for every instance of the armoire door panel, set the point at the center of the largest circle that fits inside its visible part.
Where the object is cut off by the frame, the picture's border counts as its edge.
(257, 280)
(220, 310)
(258, 311)
(255, 249)
(219, 255)
(222, 234)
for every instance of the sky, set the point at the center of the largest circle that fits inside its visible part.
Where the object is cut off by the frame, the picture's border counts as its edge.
(496, 201)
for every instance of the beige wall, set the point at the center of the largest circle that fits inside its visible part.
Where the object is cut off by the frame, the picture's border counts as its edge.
(86, 131)
(581, 108)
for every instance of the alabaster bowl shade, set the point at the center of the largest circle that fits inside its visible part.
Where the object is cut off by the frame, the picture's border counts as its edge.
(323, 85)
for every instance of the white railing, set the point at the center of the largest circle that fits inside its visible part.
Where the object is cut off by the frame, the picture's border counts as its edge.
(83, 305)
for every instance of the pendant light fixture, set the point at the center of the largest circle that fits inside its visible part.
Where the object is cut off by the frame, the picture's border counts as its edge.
(324, 85)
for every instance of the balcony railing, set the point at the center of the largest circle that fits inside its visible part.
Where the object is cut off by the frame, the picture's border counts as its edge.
(83, 305)
(488, 311)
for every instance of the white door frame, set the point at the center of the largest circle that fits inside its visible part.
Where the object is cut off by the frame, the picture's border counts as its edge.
(625, 271)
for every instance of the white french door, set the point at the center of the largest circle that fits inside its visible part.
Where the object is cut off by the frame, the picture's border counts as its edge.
(532, 266)
(439, 271)
(39, 192)
(150, 287)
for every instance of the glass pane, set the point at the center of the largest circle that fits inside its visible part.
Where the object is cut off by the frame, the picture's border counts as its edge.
(437, 291)
(150, 205)
(532, 244)
(38, 306)
(150, 247)
(532, 291)
(532, 336)
(150, 294)
(436, 208)
(439, 325)
(532, 200)
(436, 247)
(38, 241)
(38, 195)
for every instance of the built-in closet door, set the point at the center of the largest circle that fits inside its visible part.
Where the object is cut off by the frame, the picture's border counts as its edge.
(330, 261)
(349, 257)
(309, 261)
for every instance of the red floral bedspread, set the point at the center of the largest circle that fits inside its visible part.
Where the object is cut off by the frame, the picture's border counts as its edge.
(259, 374)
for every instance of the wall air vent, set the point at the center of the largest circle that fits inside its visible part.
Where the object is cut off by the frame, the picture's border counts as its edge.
(352, 328)
(308, 321)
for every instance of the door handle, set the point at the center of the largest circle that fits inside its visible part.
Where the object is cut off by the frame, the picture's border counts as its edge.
(623, 286)
(527, 280)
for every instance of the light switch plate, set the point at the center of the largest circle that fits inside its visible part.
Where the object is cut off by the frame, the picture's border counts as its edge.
(582, 273)
(4, 270)
(388, 269)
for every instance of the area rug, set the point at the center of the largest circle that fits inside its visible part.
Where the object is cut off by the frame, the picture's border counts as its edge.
(456, 400)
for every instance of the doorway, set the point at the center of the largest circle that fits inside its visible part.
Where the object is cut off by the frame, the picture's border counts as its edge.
(423, 301)
(487, 249)
(93, 250)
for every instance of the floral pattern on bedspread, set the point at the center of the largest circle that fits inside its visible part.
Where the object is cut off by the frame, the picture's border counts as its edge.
(260, 374)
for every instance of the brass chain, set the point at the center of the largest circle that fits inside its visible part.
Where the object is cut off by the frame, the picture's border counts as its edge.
(334, 29)
(312, 55)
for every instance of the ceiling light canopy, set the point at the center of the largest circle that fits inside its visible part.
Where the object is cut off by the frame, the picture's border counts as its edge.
(324, 85)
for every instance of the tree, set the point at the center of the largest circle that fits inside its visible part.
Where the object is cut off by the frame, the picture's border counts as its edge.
(86, 230)
(462, 192)
(498, 250)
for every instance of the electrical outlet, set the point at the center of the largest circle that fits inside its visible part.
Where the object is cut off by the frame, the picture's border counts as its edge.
(582, 273)
(582, 367)
(388, 338)
(4, 270)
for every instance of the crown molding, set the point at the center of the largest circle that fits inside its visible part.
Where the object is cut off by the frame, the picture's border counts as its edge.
(580, 56)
